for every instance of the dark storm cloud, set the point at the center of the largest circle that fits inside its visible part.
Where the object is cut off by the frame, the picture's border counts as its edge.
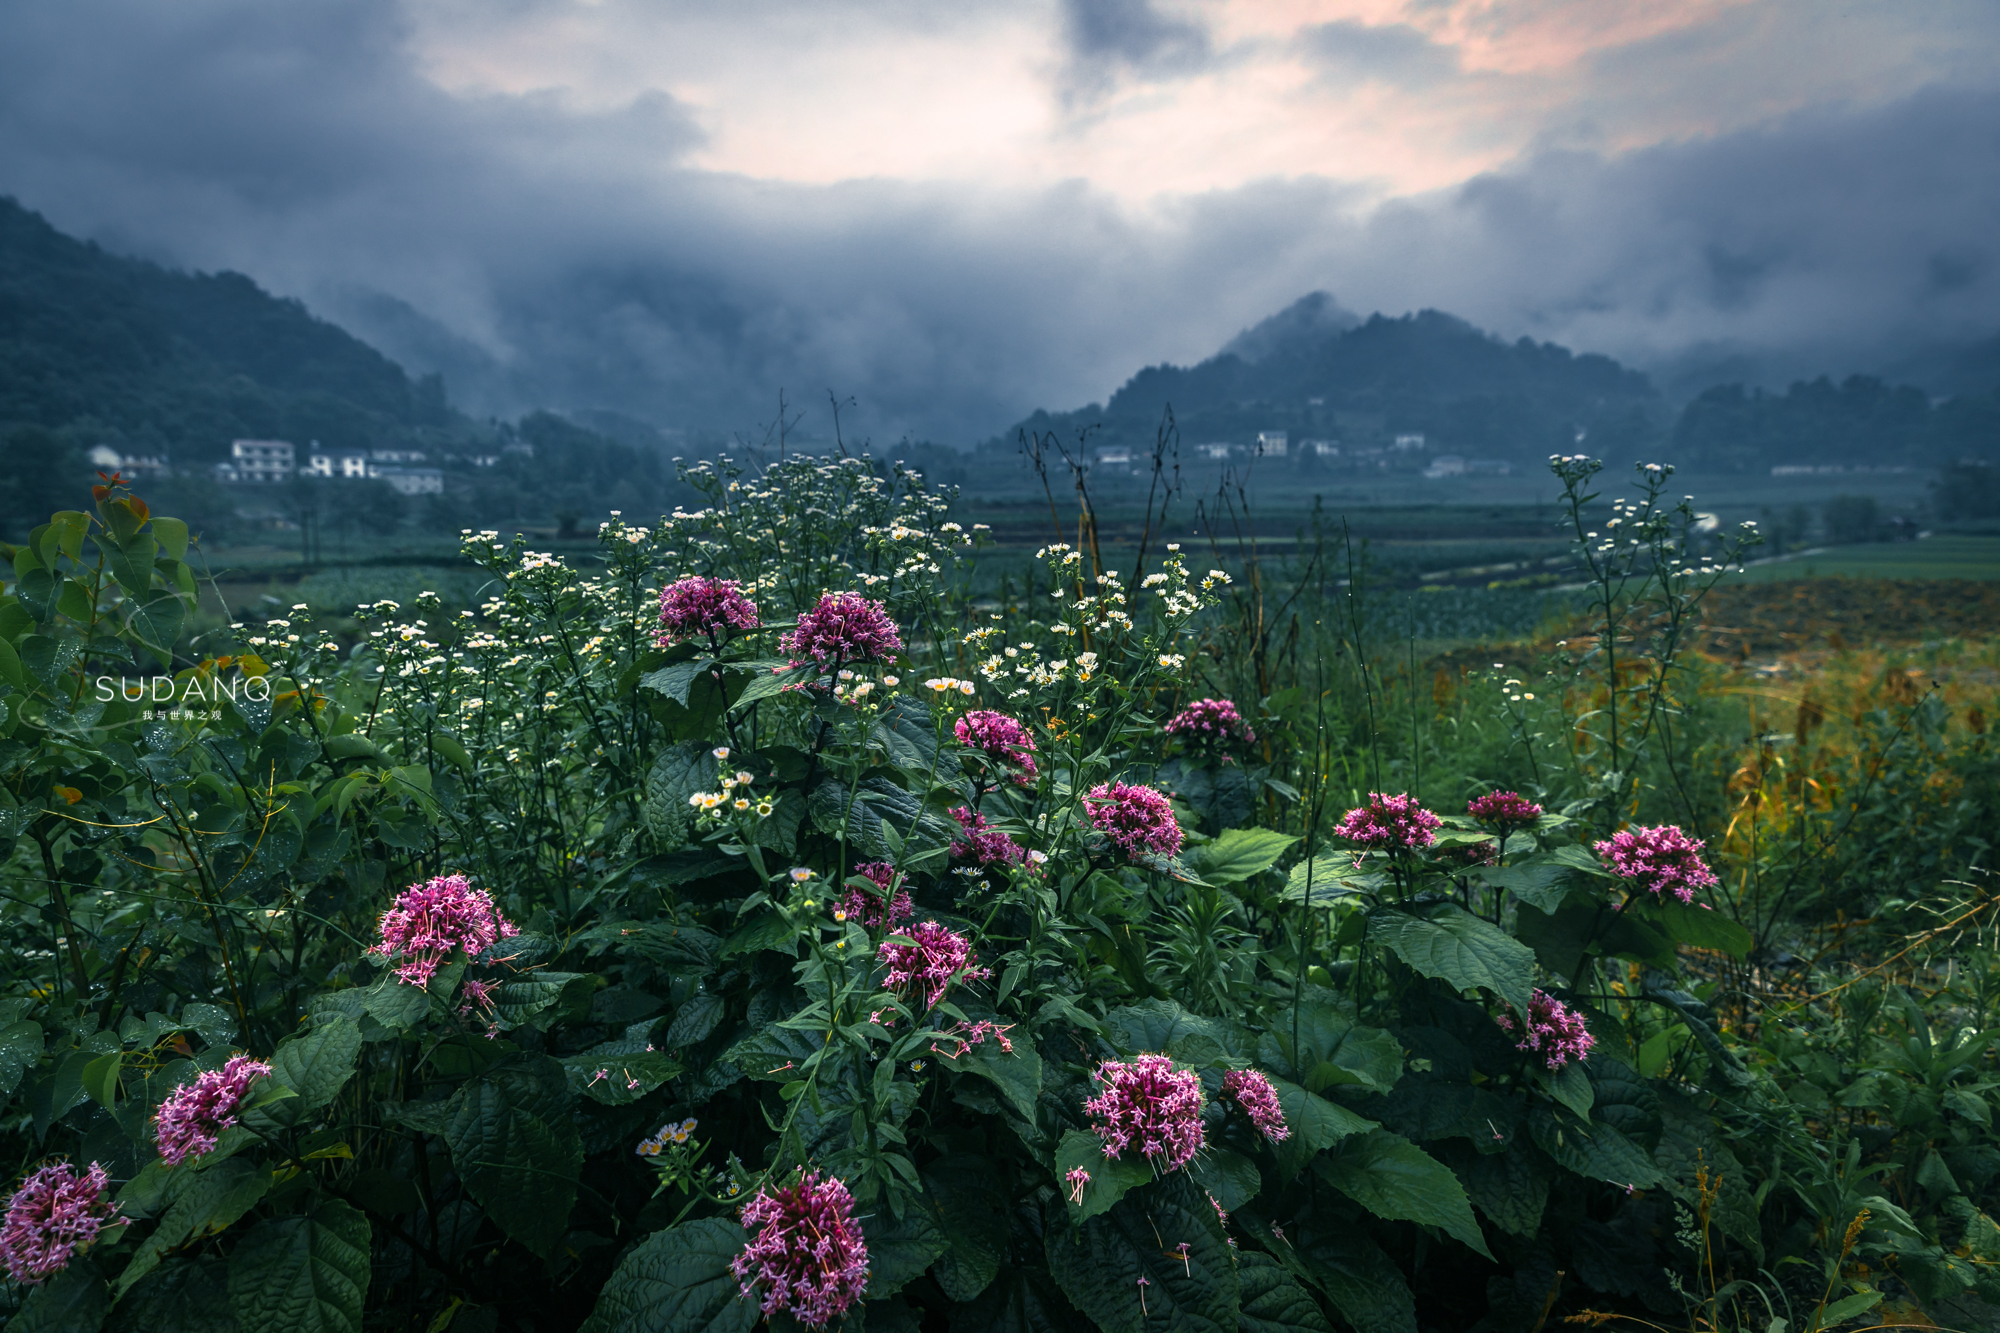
(542, 254)
(1132, 35)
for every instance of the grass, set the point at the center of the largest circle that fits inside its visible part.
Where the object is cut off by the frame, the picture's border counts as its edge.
(1947, 556)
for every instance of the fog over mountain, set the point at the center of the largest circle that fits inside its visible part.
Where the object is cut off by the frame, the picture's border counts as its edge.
(577, 244)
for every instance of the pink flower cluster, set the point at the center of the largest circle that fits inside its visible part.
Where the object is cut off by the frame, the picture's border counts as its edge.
(697, 605)
(808, 1255)
(1658, 860)
(843, 627)
(194, 1115)
(56, 1212)
(1151, 1106)
(932, 961)
(1389, 822)
(429, 920)
(1554, 1032)
(1139, 819)
(1259, 1100)
(1210, 722)
(965, 1036)
(892, 907)
(1003, 739)
(1503, 808)
(1484, 853)
(983, 845)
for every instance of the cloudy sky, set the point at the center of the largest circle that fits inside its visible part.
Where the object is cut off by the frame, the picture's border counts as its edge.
(957, 212)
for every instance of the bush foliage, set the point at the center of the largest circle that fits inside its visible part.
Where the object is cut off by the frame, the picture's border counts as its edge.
(548, 966)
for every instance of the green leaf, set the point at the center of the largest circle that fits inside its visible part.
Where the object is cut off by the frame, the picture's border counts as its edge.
(1511, 1187)
(1229, 1176)
(1394, 1178)
(1332, 1048)
(216, 1025)
(899, 1249)
(1847, 1307)
(518, 1001)
(1363, 1283)
(100, 1078)
(626, 1079)
(1272, 1301)
(972, 1210)
(1542, 884)
(1594, 1150)
(676, 775)
(395, 1004)
(1571, 1086)
(1704, 928)
(1164, 1027)
(1024, 1300)
(303, 1274)
(766, 929)
(1460, 950)
(1329, 879)
(907, 733)
(1110, 1179)
(317, 1065)
(1315, 1121)
(677, 1281)
(204, 1203)
(187, 1296)
(73, 1301)
(1238, 854)
(1017, 1074)
(674, 680)
(516, 1147)
(173, 537)
(1098, 1265)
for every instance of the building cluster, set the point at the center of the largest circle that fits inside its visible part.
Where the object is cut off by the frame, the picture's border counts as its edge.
(274, 462)
(1406, 452)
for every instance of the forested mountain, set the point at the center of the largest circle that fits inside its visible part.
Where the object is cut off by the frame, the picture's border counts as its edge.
(153, 360)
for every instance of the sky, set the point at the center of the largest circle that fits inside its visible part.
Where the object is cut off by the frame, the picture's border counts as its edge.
(952, 214)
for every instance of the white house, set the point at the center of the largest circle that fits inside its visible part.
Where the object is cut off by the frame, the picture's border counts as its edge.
(106, 459)
(1215, 449)
(348, 463)
(1114, 457)
(1409, 442)
(260, 461)
(1272, 443)
(1445, 465)
(398, 457)
(1320, 448)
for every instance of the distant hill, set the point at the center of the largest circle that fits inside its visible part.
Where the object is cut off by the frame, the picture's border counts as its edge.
(94, 345)
(1314, 370)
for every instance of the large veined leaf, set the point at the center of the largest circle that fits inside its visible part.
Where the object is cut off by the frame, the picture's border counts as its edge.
(677, 1281)
(517, 1149)
(73, 1301)
(900, 1248)
(1321, 881)
(1544, 884)
(1318, 1043)
(1238, 854)
(875, 802)
(674, 679)
(317, 1065)
(1511, 1188)
(676, 775)
(1230, 1178)
(187, 1296)
(1394, 1178)
(204, 1203)
(616, 1080)
(1110, 1179)
(1272, 1301)
(1024, 1300)
(302, 1274)
(1702, 927)
(972, 1211)
(1592, 1149)
(1461, 950)
(1164, 1027)
(1363, 1283)
(907, 734)
(1017, 1073)
(1625, 1101)
(1099, 1264)
(1314, 1121)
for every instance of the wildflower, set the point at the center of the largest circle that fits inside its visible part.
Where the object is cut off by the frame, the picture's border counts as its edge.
(808, 1252)
(800, 874)
(1220, 1216)
(863, 906)
(843, 627)
(1076, 1179)
(984, 845)
(1139, 819)
(1259, 1100)
(1504, 808)
(1553, 1032)
(1389, 821)
(1148, 1105)
(478, 995)
(195, 1114)
(429, 920)
(1661, 859)
(54, 1214)
(969, 1035)
(696, 605)
(1003, 739)
(720, 752)
(1210, 723)
(679, 1133)
(933, 959)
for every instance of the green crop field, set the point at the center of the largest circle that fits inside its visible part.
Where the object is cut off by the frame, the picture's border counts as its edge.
(1949, 556)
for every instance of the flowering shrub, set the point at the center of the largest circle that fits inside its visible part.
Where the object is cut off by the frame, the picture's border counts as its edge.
(1660, 860)
(1138, 820)
(1213, 723)
(57, 1213)
(1552, 1032)
(701, 606)
(194, 1115)
(429, 921)
(1148, 1106)
(843, 627)
(808, 1258)
(1389, 822)
(312, 1099)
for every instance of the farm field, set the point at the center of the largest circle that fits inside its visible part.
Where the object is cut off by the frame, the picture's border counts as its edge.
(1941, 556)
